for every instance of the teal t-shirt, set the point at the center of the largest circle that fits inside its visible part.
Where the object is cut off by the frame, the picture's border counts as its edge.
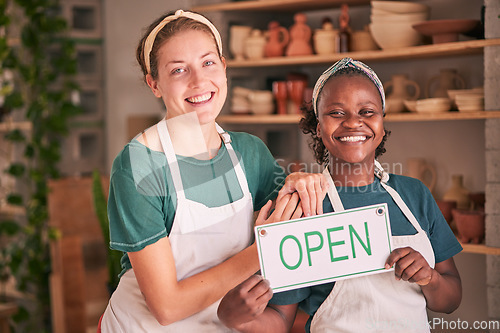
(142, 198)
(420, 202)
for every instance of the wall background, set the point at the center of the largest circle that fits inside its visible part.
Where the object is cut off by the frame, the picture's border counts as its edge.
(453, 147)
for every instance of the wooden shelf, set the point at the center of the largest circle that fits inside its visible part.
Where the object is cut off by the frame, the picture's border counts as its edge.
(277, 5)
(407, 53)
(480, 249)
(391, 117)
(11, 125)
(11, 210)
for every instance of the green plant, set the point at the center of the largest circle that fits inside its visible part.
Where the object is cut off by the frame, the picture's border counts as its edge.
(43, 63)
(101, 210)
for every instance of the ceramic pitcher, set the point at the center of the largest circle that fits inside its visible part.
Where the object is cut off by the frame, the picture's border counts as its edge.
(277, 39)
(419, 168)
(447, 79)
(399, 92)
(457, 192)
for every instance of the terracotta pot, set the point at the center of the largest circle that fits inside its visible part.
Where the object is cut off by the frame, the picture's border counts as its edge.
(446, 206)
(458, 192)
(470, 225)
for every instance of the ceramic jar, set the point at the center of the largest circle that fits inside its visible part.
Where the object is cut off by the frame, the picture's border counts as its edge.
(326, 40)
(237, 36)
(398, 85)
(457, 192)
(254, 45)
(261, 101)
(470, 225)
(447, 79)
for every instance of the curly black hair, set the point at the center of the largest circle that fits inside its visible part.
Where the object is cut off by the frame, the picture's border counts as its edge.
(309, 124)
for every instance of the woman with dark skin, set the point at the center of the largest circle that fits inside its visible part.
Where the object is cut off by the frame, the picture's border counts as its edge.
(347, 128)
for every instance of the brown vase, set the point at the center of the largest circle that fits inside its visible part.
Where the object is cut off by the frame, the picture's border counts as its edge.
(470, 225)
(457, 192)
(446, 208)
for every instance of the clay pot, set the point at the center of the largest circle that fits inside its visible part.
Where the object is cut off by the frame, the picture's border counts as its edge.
(254, 45)
(478, 199)
(398, 86)
(457, 192)
(447, 79)
(446, 206)
(277, 39)
(470, 225)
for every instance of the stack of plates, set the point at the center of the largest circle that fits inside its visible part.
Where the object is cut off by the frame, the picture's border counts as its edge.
(392, 21)
(468, 100)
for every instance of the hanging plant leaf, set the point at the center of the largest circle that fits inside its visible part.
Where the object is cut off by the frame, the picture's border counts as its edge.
(15, 199)
(9, 227)
(16, 169)
(14, 100)
(15, 136)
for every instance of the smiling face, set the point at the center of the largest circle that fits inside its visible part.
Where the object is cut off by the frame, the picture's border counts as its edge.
(191, 76)
(350, 119)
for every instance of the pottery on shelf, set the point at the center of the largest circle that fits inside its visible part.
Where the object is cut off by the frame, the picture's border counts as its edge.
(255, 44)
(446, 207)
(326, 39)
(457, 192)
(295, 90)
(398, 87)
(445, 31)
(422, 170)
(277, 39)
(237, 36)
(447, 79)
(300, 37)
(280, 96)
(470, 225)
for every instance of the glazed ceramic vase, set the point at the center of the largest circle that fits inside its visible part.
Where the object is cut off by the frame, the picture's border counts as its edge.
(447, 79)
(399, 92)
(457, 192)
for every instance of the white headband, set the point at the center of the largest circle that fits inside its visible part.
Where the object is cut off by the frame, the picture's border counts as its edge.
(148, 45)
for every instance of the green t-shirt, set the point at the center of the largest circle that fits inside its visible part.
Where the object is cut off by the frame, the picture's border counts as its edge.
(420, 202)
(142, 198)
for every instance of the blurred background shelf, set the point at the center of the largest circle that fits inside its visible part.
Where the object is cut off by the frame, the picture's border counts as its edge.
(391, 117)
(278, 5)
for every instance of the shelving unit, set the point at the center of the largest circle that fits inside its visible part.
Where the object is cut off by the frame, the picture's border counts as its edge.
(390, 117)
(277, 5)
(414, 52)
(434, 51)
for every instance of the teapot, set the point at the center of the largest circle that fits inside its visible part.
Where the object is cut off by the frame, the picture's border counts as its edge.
(448, 79)
(399, 84)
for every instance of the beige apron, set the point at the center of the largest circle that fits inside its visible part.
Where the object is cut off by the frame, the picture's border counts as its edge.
(378, 302)
(201, 237)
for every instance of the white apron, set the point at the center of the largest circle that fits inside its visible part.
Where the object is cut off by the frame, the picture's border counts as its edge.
(201, 237)
(378, 302)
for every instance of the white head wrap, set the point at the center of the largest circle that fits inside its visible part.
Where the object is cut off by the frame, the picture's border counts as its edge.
(148, 45)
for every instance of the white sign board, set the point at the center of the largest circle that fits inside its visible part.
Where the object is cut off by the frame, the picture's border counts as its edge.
(324, 248)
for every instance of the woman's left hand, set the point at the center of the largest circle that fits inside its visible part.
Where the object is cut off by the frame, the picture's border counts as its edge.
(410, 266)
(311, 188)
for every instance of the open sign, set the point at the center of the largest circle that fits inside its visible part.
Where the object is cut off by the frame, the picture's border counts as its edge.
(325, 248)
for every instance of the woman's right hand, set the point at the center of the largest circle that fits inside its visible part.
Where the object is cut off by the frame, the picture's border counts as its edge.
(288, 207)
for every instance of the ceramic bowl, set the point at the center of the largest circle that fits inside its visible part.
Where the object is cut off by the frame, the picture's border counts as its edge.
(470, 225)
(262, 108)
(445, 31)
(410, 105)
(394, 35)
(408, 18)
(433, 105)
(399, 6)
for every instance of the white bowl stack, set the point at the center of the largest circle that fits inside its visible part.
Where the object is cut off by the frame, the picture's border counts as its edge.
(391, 23)
(468, 100)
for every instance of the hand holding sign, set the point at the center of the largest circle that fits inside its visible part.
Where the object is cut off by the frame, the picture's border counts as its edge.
(324, 248)
(410, 266)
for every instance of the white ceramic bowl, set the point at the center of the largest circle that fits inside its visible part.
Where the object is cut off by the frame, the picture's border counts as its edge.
(262, 108)
(473, 108)
(433, 105)
(395, 35)
(465, 97)
(399, 6)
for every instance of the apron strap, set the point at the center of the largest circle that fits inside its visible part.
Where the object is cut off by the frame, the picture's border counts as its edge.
(384, 178)
(333, 194)
(168, 148)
